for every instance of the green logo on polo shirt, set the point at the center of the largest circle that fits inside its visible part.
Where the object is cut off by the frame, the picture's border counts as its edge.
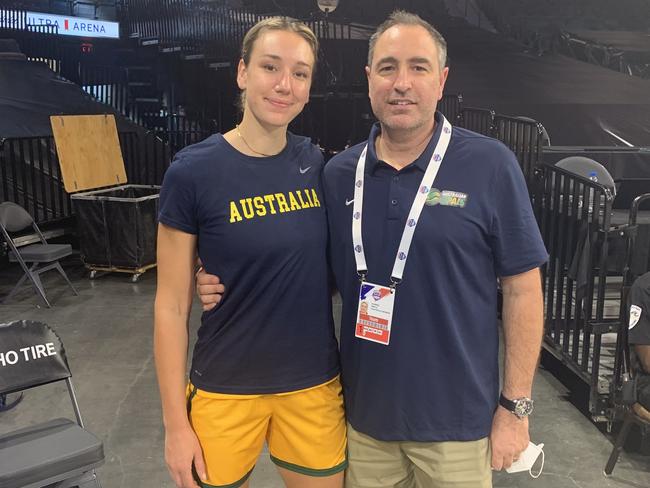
(447, 198)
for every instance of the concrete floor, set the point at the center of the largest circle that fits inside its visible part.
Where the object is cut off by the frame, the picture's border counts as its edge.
(107, 334)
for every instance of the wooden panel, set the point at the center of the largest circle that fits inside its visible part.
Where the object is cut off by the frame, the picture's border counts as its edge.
(89, 151)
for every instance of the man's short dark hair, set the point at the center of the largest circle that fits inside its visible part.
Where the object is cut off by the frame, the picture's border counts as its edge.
(401, 17)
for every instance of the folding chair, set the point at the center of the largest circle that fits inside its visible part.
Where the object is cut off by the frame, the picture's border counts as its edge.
(7, 403)
(58, 452)
(635, 413)
(14, 218)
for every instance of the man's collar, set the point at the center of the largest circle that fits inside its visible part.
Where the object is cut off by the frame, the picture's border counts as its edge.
(421, 162)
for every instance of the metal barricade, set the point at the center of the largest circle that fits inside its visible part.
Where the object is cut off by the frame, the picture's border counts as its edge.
(574, 218)
(524, 138)
(478, 120)
(30, 172)
(451, 106)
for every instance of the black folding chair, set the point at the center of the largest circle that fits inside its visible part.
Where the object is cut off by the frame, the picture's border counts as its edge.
(7, 402)
(14, 218)
(634, 413)
(59, 452)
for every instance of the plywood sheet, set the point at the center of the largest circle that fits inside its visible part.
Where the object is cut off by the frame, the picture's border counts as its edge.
(89, 151)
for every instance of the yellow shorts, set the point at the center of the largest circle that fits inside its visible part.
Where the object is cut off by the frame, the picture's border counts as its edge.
(305, 431)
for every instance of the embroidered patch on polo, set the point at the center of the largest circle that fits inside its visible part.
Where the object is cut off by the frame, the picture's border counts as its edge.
(446, 197)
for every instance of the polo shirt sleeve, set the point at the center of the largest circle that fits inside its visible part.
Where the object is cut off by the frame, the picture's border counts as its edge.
(178, 198)
(639, 311)
(516, 242)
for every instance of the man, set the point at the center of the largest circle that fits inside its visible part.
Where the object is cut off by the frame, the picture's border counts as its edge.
(421, 379)
(639, 339)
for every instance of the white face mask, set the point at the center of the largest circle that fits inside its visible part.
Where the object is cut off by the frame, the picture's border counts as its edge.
(527, 459)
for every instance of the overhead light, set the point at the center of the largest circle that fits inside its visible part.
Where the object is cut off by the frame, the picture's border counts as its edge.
(328, 6)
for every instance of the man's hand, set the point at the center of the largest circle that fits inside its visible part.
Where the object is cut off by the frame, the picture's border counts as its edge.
(182, 449)
(508, 439)
(209, 288)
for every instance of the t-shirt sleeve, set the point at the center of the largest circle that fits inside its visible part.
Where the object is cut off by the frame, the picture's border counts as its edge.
(516, 242)
(639, 311)
(178, 198)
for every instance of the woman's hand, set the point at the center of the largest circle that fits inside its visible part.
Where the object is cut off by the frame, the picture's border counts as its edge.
(209, 289)
(182, 450)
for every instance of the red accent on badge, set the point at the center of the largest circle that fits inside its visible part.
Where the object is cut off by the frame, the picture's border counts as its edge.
(65, 24)
(373, 329)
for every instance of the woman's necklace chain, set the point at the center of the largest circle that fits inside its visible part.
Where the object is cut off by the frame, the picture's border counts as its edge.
(249, 146)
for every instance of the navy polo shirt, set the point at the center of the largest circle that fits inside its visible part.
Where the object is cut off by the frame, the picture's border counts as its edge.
(438, 379)
(261, 227)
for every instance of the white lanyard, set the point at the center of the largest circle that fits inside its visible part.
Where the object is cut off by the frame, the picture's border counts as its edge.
(416, 208)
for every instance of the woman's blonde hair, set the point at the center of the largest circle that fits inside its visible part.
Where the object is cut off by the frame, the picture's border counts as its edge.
(287, 24)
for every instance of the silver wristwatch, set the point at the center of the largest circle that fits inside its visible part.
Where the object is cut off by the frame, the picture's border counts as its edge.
(520, 407)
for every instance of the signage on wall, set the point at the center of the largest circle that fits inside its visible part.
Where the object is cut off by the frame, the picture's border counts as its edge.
(66, 25)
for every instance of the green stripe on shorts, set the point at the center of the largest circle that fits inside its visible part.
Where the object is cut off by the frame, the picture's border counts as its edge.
(236, 484)
(309, 471)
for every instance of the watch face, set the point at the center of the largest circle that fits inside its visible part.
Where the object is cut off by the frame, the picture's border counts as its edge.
(523, 407)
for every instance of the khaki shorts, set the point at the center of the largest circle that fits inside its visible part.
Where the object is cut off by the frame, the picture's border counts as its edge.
(381, 464)
(305, 431)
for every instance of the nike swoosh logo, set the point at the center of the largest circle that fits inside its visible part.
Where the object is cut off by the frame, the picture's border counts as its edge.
(348, 202)
(304, 170)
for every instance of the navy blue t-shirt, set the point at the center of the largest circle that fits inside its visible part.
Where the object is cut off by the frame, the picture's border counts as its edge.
(261, 226)
(438, 379)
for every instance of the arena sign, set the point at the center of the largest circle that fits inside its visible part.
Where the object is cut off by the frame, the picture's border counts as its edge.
(67, 26)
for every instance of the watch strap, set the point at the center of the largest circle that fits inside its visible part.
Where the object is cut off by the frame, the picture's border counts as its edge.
(507, 404)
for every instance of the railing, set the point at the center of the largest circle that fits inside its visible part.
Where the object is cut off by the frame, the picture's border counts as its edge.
(146, 157)
(522, 135)
(13, 19)
(202, 27)
(30, 172)
(574, 218)
(451, 106)
(197, 23)
(478, 120)
(60, 7)
(524, 138)
(108, 85)
(179, 131)
(330, 30)
(636, 63)
(592, 14)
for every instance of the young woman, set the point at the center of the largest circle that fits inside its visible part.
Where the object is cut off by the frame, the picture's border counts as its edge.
(265, 365)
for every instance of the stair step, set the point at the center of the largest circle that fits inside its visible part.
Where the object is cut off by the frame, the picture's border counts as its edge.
(140, 83)
(193, 57)
(219, 64)
(152, 41)
(172, 49)
(147, 100)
